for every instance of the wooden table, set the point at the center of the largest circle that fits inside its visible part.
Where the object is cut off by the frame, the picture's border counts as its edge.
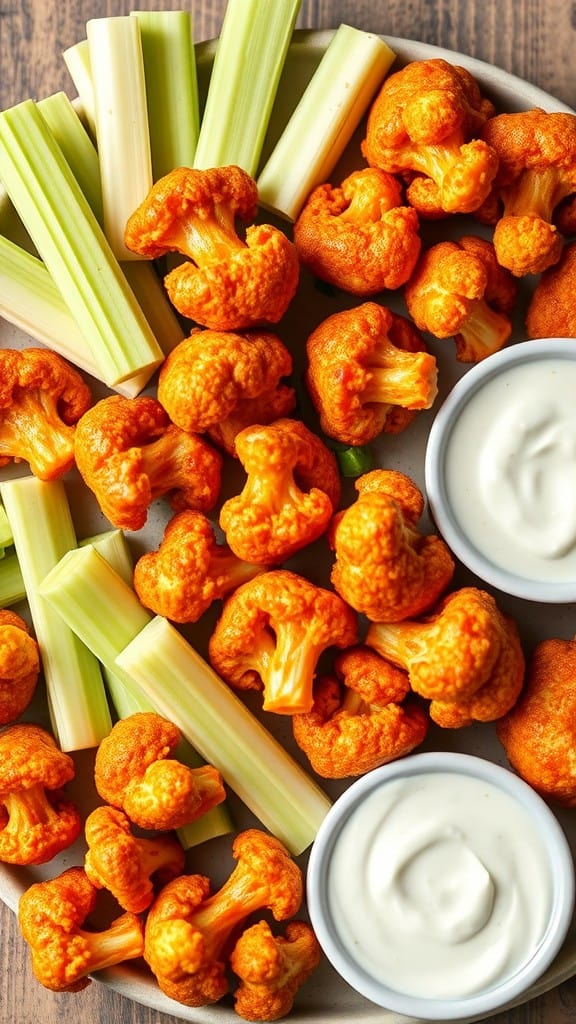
(535, 39)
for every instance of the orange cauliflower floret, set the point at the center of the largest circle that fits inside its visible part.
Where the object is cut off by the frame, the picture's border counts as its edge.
(426, 119)
(539, 732)
(129, 453)
(135, 772)
(537, 170)
(220, 382)
(271, 633)
(272, 968)
(459, 290)
(227, 283)
(41, 399)
(552, 311)
(465, 657)
(187, 929)
(124, 864)
(368, 371)
(51, 915)
(291, 491)
(19, 666)
(383, 566)
(189, 570)
(36, 821)
(359, 719)
(358, 236)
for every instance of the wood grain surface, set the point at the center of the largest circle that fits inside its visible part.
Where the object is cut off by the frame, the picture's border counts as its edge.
(534, 39)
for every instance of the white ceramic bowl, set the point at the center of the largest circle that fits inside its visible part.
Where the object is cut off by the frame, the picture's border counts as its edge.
(499, 469)
(330, 903)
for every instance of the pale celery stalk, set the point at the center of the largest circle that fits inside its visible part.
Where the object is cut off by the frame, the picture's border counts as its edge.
(72, 245)
(114, 615)
(171, 88)
(122, 130)
(249, 58)
(12, 589)
(43, 531)
(155, 657)
(330, 109)
(77, 60)
(6, 538)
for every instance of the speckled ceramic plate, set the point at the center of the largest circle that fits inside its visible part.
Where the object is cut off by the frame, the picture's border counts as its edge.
(325, 997)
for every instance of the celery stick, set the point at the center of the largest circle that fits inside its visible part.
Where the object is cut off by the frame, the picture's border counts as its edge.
(43, 531)
(336, 98)
(6, 537)
(73, 247)
(171, 88)
(249, 58)
(122, 130)
(94, 600)
(12, 589)
(77, 60)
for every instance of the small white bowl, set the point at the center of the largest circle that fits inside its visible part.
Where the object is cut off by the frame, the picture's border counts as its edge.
(391, 794)
(500, 470)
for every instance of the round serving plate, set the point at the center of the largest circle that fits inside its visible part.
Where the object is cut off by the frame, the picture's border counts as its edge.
(325, 997)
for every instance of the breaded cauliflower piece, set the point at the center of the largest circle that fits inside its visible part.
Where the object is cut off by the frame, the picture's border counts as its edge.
(551, 310)
(227, 283)
(459, 290)
(537, 170)
(360, 718)
(465, 657)
(539, 733)
(427, 119)
(358, 235)
(19, 666)
(384, 567)
(368, 372)
(217, 380)
(190, 570)
(271, 634)
(291, 491)
(272, 968)
(129, 453)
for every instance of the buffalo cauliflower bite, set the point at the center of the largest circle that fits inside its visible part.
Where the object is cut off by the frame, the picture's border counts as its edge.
(539, 733)
(227, 282)
(52, 914)
(465, 657)
(368, 371)
(129, 453)
(189, 570)
(359, 236)
(384, 567)
(272, 968)
(220, 382)
(271, 633)
(289, 496)
(426, 119)
(36, 820)
(134, 771)
(537, 170)
(19, 666)
(188, 928)
(359, 719)
(127, 865)
(41, 399)
(459, 290)
(551, 311)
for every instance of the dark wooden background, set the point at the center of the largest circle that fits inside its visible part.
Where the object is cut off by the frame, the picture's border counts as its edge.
(535, 39)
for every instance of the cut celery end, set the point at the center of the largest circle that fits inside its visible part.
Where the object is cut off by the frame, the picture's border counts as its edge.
(249, 58)
(12, 589)
(43, 531)
(171, 88)
(72, 245)
(122, 130)
(260, 771)
(331, 108)
(77, 60)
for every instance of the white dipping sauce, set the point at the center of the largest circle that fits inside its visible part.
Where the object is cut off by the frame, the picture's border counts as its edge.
(510, 469)
(439, 885)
